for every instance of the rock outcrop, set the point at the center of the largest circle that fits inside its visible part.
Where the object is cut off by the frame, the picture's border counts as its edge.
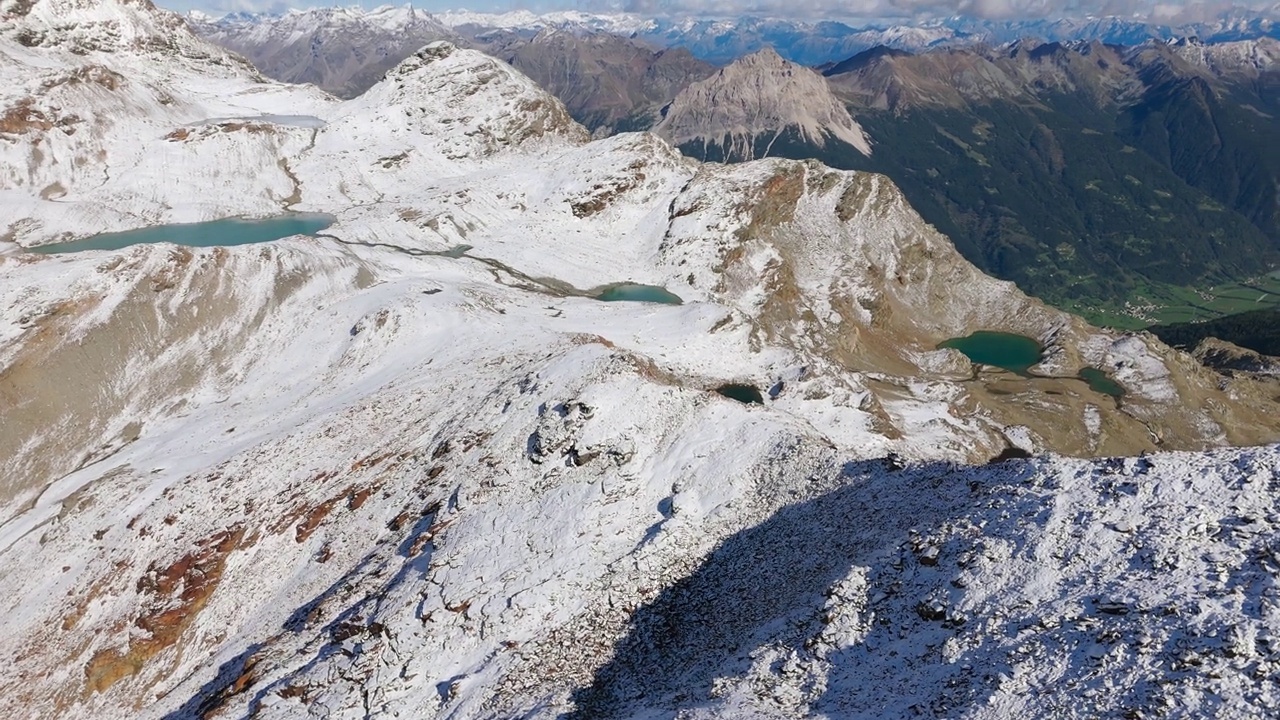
(759, 95)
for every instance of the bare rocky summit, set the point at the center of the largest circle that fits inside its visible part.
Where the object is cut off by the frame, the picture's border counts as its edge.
(759, 94)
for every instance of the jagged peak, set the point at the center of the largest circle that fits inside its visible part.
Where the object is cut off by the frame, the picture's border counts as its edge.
(1262, 54)
(756, 94)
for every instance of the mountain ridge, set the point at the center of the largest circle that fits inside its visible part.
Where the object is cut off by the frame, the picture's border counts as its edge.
(370, 473)
(341, 50)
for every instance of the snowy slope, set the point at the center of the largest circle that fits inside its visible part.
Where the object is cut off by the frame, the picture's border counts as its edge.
(620, 23)
(1241, 59)
(342, 476)
(94, 92)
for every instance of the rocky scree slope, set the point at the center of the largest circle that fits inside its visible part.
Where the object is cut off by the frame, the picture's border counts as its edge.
(342, 475)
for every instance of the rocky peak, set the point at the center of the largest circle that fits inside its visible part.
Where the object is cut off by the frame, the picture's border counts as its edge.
(760, 93)
(939, 78)
(864, 59)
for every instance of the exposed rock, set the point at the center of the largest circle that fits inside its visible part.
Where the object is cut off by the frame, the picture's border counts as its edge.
(760, 94)
(609, 83)
(1228, 359)
(221, 502)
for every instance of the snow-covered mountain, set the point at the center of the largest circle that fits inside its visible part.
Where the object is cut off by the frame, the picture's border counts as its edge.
(608, 80)
(1237, 60)
(343, 50)
(812, 42)
(354, 475)
(531, 22)
(760, 94)
(94, 89)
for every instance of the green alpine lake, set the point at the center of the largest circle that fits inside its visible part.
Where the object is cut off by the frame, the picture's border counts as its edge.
(1015, 353)
(215, 233)
(1099, 381)
(632, 292)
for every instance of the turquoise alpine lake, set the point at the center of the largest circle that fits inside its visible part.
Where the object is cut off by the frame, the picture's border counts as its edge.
(1100, 382)
(631, 292)
(215, 233)
(1015, 353)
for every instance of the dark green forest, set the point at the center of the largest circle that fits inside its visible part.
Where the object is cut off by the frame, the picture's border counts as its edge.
(1258, 330)
(1092, 211)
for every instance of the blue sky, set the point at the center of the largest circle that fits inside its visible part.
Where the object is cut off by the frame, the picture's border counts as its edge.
(1159, 10)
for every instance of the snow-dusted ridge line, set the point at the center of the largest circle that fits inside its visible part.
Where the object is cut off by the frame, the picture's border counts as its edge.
(307, 478)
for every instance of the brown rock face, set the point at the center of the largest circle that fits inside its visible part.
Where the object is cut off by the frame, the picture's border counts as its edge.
(173, 596)
(1230, 359)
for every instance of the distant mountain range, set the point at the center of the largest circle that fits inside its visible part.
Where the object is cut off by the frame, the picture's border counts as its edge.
(554, 428)
(721, 41)
(341, 50)
(1105, 168)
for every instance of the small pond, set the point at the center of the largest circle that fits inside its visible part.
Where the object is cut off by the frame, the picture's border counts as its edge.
(747, 394)
(214, 233)
(1099, 381)
(631, 292)
(1015, 353)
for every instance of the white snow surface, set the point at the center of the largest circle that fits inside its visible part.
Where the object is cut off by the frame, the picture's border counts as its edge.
(620, 23)
(341, 477)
